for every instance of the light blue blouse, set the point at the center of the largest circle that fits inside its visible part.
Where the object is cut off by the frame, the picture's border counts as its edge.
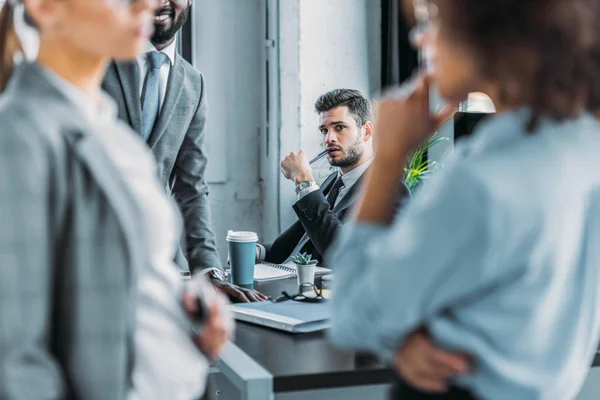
(498, 256)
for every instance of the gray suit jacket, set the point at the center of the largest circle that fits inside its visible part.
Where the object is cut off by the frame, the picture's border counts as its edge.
(177, 143)
(68, 251)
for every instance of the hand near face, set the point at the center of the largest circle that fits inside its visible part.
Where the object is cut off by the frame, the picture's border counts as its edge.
(295, 167)
(404, 121)
(426, 367)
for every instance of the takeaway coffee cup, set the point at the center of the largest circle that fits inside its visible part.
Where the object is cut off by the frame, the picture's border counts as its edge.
(242, 254)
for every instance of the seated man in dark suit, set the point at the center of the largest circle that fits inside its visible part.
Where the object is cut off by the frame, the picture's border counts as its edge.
(345, 122)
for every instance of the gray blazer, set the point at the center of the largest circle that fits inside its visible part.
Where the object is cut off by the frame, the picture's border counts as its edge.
(68, 251)
(177, 143)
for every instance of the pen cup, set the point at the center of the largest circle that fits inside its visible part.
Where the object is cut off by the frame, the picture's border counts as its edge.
(242, 255)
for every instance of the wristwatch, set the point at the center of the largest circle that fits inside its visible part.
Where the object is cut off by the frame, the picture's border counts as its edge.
(304, 185)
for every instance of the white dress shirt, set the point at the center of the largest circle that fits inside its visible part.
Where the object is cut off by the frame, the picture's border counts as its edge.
(497, 255)
(165, 68)
(349, 179)
(167, 363)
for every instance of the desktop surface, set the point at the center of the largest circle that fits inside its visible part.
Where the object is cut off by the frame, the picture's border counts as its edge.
(306, 361)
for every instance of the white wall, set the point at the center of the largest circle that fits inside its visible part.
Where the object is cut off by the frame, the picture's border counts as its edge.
(233, 68)
(322, 44)
(325, 44)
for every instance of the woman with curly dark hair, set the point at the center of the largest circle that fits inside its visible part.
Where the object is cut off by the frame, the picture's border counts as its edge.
(497, 257)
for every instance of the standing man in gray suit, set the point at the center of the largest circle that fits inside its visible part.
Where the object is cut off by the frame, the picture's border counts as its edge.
(163, 98)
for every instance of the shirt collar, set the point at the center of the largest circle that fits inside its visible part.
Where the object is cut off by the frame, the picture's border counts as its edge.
(169, 51)
(96, 108)
(351, 177)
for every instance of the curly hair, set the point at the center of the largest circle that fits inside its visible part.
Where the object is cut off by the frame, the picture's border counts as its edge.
(548, 49)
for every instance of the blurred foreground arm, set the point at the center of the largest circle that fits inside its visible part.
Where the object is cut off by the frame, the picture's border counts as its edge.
(27, 368)
(218, 326)
(390, 279)
(425, 366)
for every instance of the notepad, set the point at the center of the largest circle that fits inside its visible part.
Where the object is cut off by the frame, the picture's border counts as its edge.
(268, 271)
(289, 316)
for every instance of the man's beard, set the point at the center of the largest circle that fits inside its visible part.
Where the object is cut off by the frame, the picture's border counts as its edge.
(165, 36)
(353, 155)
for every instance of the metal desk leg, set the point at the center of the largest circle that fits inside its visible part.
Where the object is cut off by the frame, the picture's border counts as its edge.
(237, 376)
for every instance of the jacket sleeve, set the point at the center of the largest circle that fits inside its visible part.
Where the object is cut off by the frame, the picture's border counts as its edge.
(320, 223)
(27, 367)
(191, 193)
(278, 251)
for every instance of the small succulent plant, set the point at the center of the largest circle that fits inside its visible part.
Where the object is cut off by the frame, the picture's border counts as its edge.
(303, 259)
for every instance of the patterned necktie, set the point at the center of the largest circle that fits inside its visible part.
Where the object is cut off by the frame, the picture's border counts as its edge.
(334, 192)
(151, 93)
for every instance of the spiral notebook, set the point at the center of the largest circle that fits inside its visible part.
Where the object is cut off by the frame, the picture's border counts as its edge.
(268, 271)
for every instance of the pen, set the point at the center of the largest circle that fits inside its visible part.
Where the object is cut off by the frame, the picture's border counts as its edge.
(319, 156)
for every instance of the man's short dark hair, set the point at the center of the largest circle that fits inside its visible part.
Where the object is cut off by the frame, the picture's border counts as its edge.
(358, 105)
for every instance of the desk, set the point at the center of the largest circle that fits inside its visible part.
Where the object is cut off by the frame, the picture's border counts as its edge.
(306, 365)
(271, 364)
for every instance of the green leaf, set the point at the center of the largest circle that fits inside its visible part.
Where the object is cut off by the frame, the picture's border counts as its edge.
(418, 167)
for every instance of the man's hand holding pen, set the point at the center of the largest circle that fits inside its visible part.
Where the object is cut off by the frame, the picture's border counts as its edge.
(296, 167)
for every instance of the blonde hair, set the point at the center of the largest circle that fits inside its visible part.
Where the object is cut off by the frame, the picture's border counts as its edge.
(9, 43)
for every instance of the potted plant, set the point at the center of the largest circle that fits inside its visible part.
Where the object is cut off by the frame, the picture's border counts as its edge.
(419, 166)
(305, 268)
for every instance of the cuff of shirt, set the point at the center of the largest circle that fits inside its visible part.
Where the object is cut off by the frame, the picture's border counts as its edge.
(215, 273)
(261, 253)
(307, 191)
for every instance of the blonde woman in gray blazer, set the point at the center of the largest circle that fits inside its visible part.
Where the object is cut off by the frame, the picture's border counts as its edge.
(91, 305)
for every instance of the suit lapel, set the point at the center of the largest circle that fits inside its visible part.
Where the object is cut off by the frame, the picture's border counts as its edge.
(174, 89)
(107, 177)
(129, 75)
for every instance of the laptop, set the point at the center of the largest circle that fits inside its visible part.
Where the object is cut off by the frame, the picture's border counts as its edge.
(290, 316)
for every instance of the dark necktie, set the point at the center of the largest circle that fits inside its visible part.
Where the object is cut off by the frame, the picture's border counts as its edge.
(334, 192)
(151, 93)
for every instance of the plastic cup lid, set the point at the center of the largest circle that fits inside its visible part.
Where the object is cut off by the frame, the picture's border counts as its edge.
(242, 237)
